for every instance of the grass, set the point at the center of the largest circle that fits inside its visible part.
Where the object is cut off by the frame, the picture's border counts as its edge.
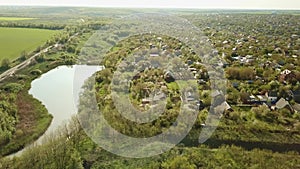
(15, 19)
(13, 41)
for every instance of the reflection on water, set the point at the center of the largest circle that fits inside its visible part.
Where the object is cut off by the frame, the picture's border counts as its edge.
(55, 90)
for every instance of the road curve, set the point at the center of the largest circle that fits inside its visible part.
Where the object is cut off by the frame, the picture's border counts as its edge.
(13, 70)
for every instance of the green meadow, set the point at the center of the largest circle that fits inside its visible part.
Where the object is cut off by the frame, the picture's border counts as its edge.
(14, 19)
(13, 41)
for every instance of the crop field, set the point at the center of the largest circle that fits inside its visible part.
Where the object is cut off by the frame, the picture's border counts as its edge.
(14, 19)
(13, 41)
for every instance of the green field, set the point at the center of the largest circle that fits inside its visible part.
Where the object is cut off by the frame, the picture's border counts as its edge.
(14, 19)
(13, 41)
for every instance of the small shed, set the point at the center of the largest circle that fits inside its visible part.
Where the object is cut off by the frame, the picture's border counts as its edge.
(169, 77)
(282, 103)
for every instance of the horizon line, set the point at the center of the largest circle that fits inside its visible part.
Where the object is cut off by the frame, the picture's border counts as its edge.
(145, 7)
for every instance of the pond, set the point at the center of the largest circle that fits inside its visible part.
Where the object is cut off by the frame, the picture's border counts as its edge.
(58, 90)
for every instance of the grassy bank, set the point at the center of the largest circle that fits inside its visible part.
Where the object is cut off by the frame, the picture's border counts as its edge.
(33, 120)
(32, 117)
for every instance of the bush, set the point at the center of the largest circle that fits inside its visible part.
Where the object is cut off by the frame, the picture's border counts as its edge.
(5, 63)
(36, 72)
(13, 87)
(241, 73)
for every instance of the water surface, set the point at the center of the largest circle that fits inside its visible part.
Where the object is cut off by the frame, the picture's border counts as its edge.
(58, 90)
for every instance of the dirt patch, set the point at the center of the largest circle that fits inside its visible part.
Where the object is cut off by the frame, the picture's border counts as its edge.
(26, 114)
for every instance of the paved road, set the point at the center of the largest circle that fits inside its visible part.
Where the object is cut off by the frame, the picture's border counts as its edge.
(13, 70)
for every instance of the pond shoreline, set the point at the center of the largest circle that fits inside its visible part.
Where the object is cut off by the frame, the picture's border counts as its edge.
(66, 73)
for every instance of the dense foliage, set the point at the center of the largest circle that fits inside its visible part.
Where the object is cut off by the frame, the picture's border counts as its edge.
(255, 49)
(71, 148)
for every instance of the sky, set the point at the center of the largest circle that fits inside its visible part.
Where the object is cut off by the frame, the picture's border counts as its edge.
(212, 4)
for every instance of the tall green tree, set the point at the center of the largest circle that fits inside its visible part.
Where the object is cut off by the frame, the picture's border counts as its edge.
(5, 63)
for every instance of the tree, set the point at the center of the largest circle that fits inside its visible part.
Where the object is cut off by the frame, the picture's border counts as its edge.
(5, 63)
(71, 49)
(241, 73)
(178, 162)
(40, 58)
(233, 95)
(23, 56)
(274, 84)
(244, 97)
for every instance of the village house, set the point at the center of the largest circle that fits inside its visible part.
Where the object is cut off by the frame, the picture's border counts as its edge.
(296, 96)
(286, 75)
(262, 98)
(252, 99)
(154, 52)
(190, 97)
(272, 96)
(154, 99)
(223, 108)
(216, 93)
(201, 82)
(178, 53)
(282, 103)
(296, 107)
(169, 77)
(235, 84)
